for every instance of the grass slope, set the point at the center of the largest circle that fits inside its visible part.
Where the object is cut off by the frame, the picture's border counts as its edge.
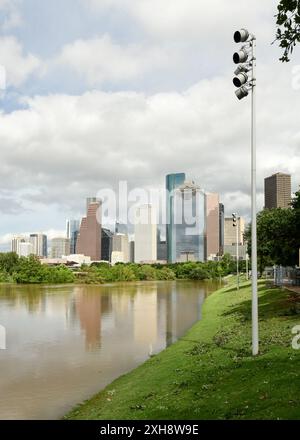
(210, 373)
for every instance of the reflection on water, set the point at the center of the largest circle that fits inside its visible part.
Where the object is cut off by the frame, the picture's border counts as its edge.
(65, 343)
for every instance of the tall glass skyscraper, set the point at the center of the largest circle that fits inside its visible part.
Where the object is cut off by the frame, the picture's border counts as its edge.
(173, 181)
(73, 227)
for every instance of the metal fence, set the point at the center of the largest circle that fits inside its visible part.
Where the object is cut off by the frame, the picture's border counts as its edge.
(283, 276)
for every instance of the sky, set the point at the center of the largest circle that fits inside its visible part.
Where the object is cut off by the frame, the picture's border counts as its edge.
(102, 91)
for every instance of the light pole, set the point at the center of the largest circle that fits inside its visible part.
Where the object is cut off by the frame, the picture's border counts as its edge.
(236, 225)
(246, 60)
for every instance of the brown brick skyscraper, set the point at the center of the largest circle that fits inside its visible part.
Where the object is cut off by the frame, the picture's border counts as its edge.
(278, 191)
(89, 238)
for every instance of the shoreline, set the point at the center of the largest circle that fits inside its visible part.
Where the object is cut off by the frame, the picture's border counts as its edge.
(209, 373)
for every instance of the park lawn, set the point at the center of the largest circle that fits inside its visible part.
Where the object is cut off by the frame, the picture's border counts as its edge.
(210, 373)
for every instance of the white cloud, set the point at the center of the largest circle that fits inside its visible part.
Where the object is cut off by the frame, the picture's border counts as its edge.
(68, 147)
(12, 16)
(100, 60)
(18, 66)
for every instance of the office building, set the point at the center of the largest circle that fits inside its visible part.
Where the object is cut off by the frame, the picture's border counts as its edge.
(161, 247)
(15, 244)
(131, 251)
(121, 228)
(106, 245)
(145, 233)
(73, 227)
(89, 237)
(212, 225)
(39, 245)
(25, 249)
(60, 247)
(230, 231)
(278, 191)
(188, 224)
(221, 228)
(173, 181)
(121, 246)
(91, 200)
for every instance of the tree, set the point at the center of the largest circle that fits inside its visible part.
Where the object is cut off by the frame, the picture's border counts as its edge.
(278, 235)
(288, 30)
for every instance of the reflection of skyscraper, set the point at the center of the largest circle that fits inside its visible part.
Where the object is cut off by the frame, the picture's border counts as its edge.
(88, 307)
(73, 227)
(145, 316)
(182, 311)
(89, 238)
(188, 224)
(173, 181)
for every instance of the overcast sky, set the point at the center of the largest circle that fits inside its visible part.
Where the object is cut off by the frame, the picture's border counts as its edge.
(105, 90)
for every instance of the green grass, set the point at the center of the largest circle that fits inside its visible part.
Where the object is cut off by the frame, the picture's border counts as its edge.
(210, 373)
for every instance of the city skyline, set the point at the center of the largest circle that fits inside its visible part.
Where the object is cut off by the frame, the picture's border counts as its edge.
(134, 104)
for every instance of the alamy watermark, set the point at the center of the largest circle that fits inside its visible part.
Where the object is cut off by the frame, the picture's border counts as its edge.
(296, 339)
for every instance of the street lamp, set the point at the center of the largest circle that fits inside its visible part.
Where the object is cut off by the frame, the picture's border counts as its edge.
(245, 80)
(235, 222)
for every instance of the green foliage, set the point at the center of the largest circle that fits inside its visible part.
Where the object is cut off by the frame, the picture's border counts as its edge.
(31, 271)
(288, 30)
(9, 262)
(278, 235)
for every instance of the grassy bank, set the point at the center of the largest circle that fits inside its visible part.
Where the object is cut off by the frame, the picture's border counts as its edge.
(210, 374)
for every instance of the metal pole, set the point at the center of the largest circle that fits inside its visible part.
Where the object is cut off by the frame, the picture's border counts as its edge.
(255, 343)
(237, 254)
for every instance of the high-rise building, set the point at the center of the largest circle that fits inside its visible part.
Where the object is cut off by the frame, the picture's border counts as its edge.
(173, 181)
(188, 224)
(121, 228)
(15, 244)
(221, 228)
(73, 227)
(60, 247)
(25, 249)
(131, 251)
(278, 191)
(39, 245)
(106, 246)
(121, 246)
(161, 247)
(145, 235)
(230, 231)
(89, 237)
(212, 225)
(91, 200)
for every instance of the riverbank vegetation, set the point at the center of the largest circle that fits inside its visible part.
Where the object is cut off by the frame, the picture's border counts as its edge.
(210, 373)
(31, 271)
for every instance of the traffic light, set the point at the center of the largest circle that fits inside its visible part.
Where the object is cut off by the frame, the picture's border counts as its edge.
(244, 59)
(234, 220)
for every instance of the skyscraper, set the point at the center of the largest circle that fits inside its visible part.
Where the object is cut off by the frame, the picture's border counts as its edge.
(173, 181)
(230, 231)
(39, 245)
(121, 247)
(145, 234)
(106, 245)
(212, 225)
(278, 191)
(188, 224)
(60, 247)
(89, 238)
(73, 227)
(91, 200)
(221, 228)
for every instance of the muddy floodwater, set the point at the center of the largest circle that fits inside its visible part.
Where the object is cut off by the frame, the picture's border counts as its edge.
(66, 343)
